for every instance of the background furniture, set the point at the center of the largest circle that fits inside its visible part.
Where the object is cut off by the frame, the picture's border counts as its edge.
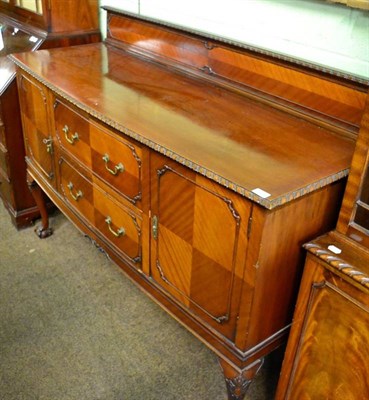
(328, 349)
(200, 167)
(27, 26)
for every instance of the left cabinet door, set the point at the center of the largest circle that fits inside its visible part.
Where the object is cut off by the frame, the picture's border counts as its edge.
(36, 127)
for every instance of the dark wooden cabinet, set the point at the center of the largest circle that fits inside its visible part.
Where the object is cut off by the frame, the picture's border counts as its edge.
(328, 349)
(27, 26)
(201, 188)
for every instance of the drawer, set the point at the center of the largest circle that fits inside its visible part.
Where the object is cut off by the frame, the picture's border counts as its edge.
(119, 225)
(77, 190)
(117, 162)
(72, 131)
(4, 167)
(112, 159)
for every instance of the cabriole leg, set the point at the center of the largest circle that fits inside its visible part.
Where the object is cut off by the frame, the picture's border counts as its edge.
(43, 231)
(239, 380)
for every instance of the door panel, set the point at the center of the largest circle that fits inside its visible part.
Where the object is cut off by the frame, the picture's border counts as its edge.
(198, 242)
(38, 140)
(333, 353)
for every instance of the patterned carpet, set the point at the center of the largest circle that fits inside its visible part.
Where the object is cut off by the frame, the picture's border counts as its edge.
(73, 327)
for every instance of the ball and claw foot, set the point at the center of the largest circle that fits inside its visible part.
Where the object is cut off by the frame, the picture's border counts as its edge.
(43, 233)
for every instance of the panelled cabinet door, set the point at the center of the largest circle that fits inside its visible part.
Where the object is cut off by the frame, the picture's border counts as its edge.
(332, 358)
(38, 140)
(199, 241)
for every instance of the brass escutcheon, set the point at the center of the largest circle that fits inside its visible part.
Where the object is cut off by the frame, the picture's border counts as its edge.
(155, 224)
(49, 145)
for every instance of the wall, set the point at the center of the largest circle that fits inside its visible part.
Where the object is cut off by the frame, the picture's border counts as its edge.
(331, 35)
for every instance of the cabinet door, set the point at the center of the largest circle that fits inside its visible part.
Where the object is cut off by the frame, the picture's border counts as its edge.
(332, 356)
(199, 241)
(34, 111)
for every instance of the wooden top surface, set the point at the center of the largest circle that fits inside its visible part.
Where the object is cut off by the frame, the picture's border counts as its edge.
(226, 136)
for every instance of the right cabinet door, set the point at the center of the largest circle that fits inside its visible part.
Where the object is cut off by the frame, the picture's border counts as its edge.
(199, 242)
(34, 111)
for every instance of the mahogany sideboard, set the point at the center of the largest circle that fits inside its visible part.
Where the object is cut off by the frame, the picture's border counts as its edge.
(327, 356)
(43, 24)
(199, 166)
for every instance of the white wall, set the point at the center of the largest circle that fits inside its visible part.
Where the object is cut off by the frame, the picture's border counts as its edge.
(326, 34)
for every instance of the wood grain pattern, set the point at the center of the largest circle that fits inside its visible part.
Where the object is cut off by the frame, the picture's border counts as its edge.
(275, 259)
(57, 17)
(94, 206)
(69, 124)
(35, 116)
(327, 351)
(199, 251)
(89, 143)
(122, 218)
(213, 134)
(77, 190)
(319, 374)
(127, 181)
(285, 81)
(74, 15)
(357, 184)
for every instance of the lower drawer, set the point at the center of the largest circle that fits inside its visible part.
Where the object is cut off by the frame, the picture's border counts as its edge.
(120, 225)
(117, 224)
(77, 191)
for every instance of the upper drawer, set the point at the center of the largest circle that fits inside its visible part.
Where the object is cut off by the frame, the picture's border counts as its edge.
(117, 162)
(112, 159)
(72, 130)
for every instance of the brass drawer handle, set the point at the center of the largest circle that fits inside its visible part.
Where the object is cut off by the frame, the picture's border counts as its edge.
(73, 138)
(120, 232)
(117, 169)
(76, 196)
